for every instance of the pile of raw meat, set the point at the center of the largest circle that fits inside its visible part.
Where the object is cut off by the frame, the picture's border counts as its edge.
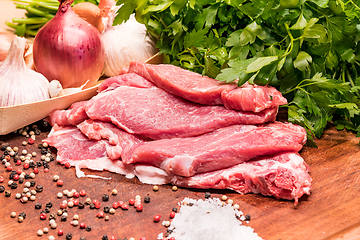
(164, 124)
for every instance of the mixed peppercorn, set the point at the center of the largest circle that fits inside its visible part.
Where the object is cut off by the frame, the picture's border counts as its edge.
(25, 175)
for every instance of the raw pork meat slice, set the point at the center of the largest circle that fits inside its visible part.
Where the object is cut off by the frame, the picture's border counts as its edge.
(219, 149)
(183, 83)
(252, 98)
(156, 114)
(72, 116)
(284, 176)
(128, 79)
(98, 130)
(74, 147)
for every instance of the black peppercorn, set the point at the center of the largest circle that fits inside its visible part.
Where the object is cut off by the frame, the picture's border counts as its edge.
(39, 188)
(7, 194)
(49, 205)
(11, 175)
(22, 214)
(92, 206)
(63, 218)
(13, 185)
(68, 236)
(3, 147)
(106, 209)
(37, 131)
(105, 197)
(38, 164)
(52, 216)
(207, 195)
(32, 183)
(52, 158)
(105, 237)
(47, 210)
(2, 188)
(21, 180)
(81, 205)
(247, 217)
(37, 205)
(27, 176)
(174, 209)
(147, 199)
(43, 150)
(43, 211)
(32, 164)
(45, 165)
(88, 228)
(16, 157)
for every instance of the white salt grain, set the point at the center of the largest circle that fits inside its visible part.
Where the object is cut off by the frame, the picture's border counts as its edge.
(209, 219)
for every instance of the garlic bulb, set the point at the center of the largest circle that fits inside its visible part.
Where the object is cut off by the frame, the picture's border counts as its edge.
(125, 42)
(19, 84)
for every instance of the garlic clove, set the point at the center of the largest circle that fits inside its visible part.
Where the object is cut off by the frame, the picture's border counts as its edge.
(56, 90)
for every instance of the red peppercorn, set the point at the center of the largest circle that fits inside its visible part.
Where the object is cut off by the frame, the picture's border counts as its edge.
(82, 193)
(113, 238)
(157, 218)
(67, 165)
(60, 232)
(42, 216)
(124, 206)
(63, 205)
(31, 141)
(36, 170)
(76, 202)
(9, 168)
(82, 225)
(139, 208)
(1, 179)
(142, 238)
(59, 183)
(115, 205)
(18, 171)
(76, 194)
(95, 201)
(131, 202)
(46, 170)
(172, 214)
(26, 165)
(172, 238)
(18, 162)
(97, 205)
(16, 177)
(100, 214)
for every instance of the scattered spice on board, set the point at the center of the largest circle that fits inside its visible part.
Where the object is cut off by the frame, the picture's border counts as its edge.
(209, 219)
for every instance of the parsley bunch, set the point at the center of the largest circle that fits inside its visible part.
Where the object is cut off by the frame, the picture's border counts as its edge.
(307, 49)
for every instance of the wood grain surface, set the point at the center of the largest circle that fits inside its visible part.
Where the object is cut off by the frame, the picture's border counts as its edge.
(332, 211)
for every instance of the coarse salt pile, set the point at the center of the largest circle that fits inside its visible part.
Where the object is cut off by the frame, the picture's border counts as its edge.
(209, 219)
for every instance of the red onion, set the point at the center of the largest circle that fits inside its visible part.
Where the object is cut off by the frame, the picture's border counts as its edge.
(69, 49)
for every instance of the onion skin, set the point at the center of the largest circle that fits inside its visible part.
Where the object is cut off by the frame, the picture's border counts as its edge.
(90, 13)
(69, 49)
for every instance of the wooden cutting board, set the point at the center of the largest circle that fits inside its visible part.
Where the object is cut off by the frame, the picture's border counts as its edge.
(330, 212)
